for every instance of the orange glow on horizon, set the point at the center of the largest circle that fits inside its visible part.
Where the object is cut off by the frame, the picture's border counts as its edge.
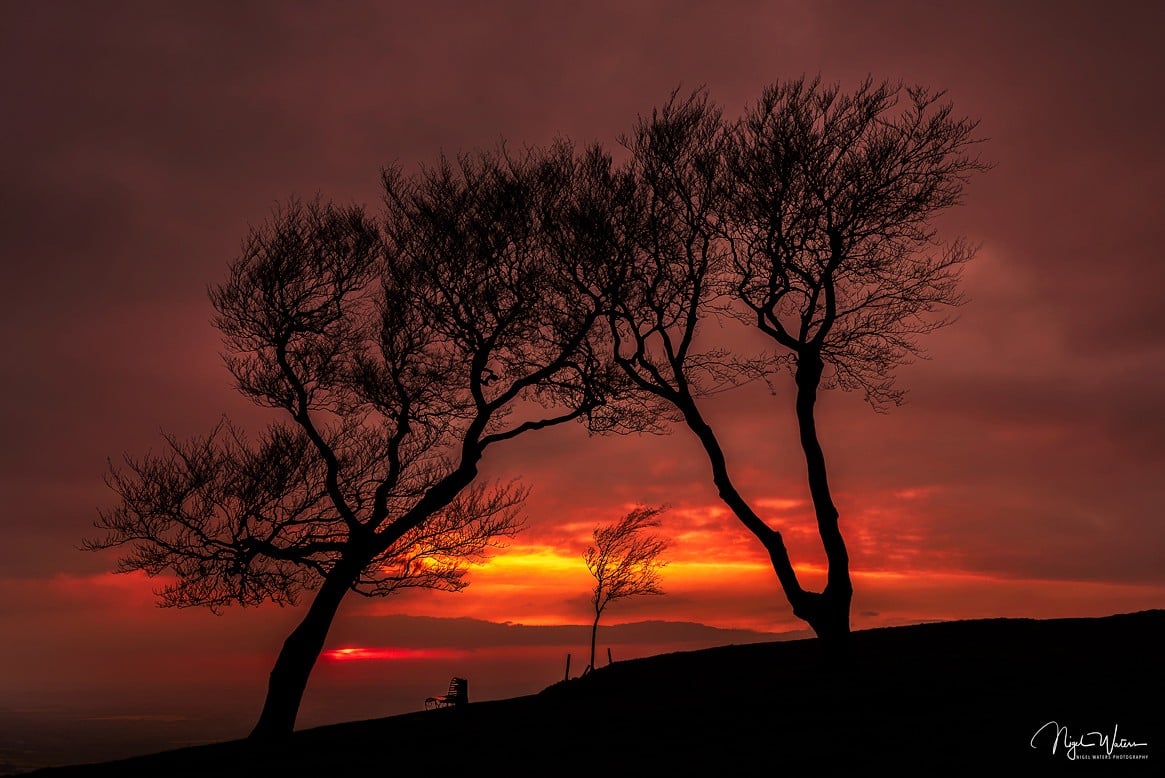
(719, 576)
(716, 578)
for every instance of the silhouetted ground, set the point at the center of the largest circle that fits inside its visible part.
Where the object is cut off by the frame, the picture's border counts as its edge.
(936, 699)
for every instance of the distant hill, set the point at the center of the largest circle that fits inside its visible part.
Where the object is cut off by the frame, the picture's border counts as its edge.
(470, 633)
(936, 699)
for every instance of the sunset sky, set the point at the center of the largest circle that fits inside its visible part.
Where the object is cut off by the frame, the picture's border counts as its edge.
(1023, 477)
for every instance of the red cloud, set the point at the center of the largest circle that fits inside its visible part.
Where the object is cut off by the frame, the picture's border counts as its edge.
(390, 653)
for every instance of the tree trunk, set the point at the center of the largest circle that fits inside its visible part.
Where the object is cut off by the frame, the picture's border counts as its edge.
(594, 634)
(828, 613)
(772, 540)
(288, 678)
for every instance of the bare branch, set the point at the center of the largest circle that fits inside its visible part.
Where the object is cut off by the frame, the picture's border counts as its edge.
(829, 213)
(232, 521)
(436, 554)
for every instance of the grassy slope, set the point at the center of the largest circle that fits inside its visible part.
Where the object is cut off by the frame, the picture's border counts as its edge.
(935, 699)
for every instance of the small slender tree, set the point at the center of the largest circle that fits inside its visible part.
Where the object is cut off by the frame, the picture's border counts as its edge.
(624, 561)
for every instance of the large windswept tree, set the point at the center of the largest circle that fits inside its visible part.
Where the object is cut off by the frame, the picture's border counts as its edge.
(396, 355)
(829, 218)
(809, 219)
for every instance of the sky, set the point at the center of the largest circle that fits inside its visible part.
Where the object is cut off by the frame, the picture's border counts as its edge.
(139, 141)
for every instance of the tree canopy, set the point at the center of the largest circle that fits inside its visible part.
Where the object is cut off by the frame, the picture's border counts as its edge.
(500, 293)
(396, 353)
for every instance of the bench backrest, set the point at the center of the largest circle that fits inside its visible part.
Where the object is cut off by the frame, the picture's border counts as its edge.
(458, 688)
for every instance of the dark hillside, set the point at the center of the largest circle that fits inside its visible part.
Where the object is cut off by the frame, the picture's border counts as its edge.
(934, 699)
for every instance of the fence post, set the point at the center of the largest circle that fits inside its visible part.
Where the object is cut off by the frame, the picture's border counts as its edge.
(566, 677)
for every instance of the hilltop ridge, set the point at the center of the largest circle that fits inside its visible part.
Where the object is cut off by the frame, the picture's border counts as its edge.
(941, 698)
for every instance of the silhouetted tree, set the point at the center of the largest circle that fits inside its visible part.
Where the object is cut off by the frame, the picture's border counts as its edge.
(808, 219)
(624, 561)
(398, 354)
(829, 211)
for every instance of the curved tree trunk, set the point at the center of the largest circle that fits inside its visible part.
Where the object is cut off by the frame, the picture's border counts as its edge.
(829, 612)
(288, 678)
(800, 599)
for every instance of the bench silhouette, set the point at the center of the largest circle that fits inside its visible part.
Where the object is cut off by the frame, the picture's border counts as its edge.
(457, 695)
